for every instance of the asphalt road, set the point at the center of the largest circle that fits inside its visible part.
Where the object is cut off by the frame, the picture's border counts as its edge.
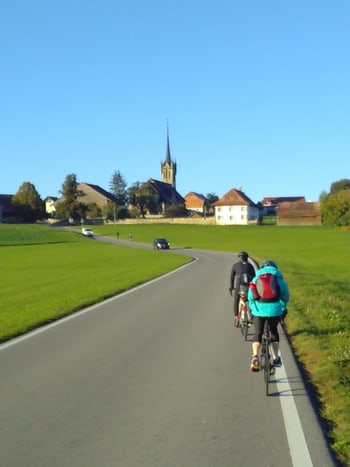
(155, 377)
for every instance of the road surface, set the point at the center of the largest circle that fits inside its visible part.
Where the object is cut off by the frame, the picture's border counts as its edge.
(154, 377)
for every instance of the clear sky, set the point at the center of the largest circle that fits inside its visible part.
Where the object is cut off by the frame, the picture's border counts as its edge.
(256, 93)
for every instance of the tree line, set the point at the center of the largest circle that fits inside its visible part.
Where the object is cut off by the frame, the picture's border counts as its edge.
(133, 201)
(139, 198)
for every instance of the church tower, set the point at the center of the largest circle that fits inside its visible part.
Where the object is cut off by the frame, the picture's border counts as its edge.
(168, 167)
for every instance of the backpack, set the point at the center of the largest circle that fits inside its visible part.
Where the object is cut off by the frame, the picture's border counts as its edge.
(268, 288)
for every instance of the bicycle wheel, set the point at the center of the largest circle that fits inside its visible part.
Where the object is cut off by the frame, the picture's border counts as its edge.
(266, 363)
(267, 371)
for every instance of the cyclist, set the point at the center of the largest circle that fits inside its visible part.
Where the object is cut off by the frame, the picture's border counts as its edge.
(273, 311)
(242, 273)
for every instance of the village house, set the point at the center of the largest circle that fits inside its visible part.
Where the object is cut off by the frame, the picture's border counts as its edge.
(270, 204)
(91, 194)
(299, 213)
(196, 203)
(235, 208)
(50, 207)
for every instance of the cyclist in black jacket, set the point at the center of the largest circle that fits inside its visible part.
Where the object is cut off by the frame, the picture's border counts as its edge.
(242, 273)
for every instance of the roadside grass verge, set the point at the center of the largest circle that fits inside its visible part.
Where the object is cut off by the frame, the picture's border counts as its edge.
(32, 234)
(41, 283)
(45, 281)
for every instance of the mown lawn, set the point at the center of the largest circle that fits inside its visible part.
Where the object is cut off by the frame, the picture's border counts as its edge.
(48, 274)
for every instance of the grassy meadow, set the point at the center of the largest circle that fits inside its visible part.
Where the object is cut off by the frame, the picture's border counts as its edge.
(44, 269)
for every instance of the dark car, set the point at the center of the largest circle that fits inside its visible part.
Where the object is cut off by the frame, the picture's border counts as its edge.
(161, 244)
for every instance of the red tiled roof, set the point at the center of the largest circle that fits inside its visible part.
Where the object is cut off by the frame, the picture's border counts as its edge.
(273, 200)
(234, 197)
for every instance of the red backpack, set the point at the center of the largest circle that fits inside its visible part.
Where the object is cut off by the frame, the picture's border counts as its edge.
(267, 287)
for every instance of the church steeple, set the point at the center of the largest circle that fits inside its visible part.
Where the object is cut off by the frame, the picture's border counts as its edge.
(168, 157)
(168, 167)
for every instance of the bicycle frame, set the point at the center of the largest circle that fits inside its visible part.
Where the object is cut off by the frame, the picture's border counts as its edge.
(243, 313)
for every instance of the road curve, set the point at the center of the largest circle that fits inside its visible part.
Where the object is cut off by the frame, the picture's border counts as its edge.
(155, 377)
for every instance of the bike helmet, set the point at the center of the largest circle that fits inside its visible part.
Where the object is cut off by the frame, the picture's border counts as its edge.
(243, 255)
(268, 262)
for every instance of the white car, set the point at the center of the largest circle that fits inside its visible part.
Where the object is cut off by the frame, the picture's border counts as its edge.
(87, 232)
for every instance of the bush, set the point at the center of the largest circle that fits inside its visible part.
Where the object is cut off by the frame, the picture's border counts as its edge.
(175, 211)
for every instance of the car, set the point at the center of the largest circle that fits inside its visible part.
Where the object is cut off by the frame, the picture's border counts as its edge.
(87, 232)
(161, 244)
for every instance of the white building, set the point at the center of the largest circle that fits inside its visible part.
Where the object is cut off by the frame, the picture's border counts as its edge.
(235, 208)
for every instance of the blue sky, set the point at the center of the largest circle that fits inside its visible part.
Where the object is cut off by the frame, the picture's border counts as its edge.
(256, 93)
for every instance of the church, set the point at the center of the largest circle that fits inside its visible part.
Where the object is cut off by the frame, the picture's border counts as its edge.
(165, 188)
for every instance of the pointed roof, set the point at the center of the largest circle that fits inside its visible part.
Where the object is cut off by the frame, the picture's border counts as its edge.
(166, 191)
(106, 194)
(193, 194)
(167, 157)
(234, 197)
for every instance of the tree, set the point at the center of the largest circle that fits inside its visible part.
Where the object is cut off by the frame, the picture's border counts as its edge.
(142, 196)
(70, 188)
(175, 211)
(70, 207)
(27, 204)
(211, 197)
(118, 186)
(335, 208)
(113, 211)
(340, 185)
(94, 211)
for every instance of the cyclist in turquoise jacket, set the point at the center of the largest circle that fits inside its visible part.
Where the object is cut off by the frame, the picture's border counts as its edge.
(273, 311)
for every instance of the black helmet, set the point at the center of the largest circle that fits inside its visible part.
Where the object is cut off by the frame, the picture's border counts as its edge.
(268, 262)
(243, 255)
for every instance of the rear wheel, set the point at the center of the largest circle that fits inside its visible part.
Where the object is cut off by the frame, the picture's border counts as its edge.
(267, 369)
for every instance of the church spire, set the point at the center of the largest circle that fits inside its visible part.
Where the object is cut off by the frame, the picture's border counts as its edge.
(168, 157)
(168, 167)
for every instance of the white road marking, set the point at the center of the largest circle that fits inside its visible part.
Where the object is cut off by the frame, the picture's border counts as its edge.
(295, 435)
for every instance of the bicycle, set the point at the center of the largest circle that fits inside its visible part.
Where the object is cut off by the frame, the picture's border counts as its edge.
(244, 315)
(266, 358)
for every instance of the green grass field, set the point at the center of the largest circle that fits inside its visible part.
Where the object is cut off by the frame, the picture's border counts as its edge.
(49, 272)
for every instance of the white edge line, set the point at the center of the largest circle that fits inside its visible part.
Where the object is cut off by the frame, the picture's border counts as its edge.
(295, 435)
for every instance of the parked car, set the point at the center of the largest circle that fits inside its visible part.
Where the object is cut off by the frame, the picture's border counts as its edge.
(161, 244)
(87, 232)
